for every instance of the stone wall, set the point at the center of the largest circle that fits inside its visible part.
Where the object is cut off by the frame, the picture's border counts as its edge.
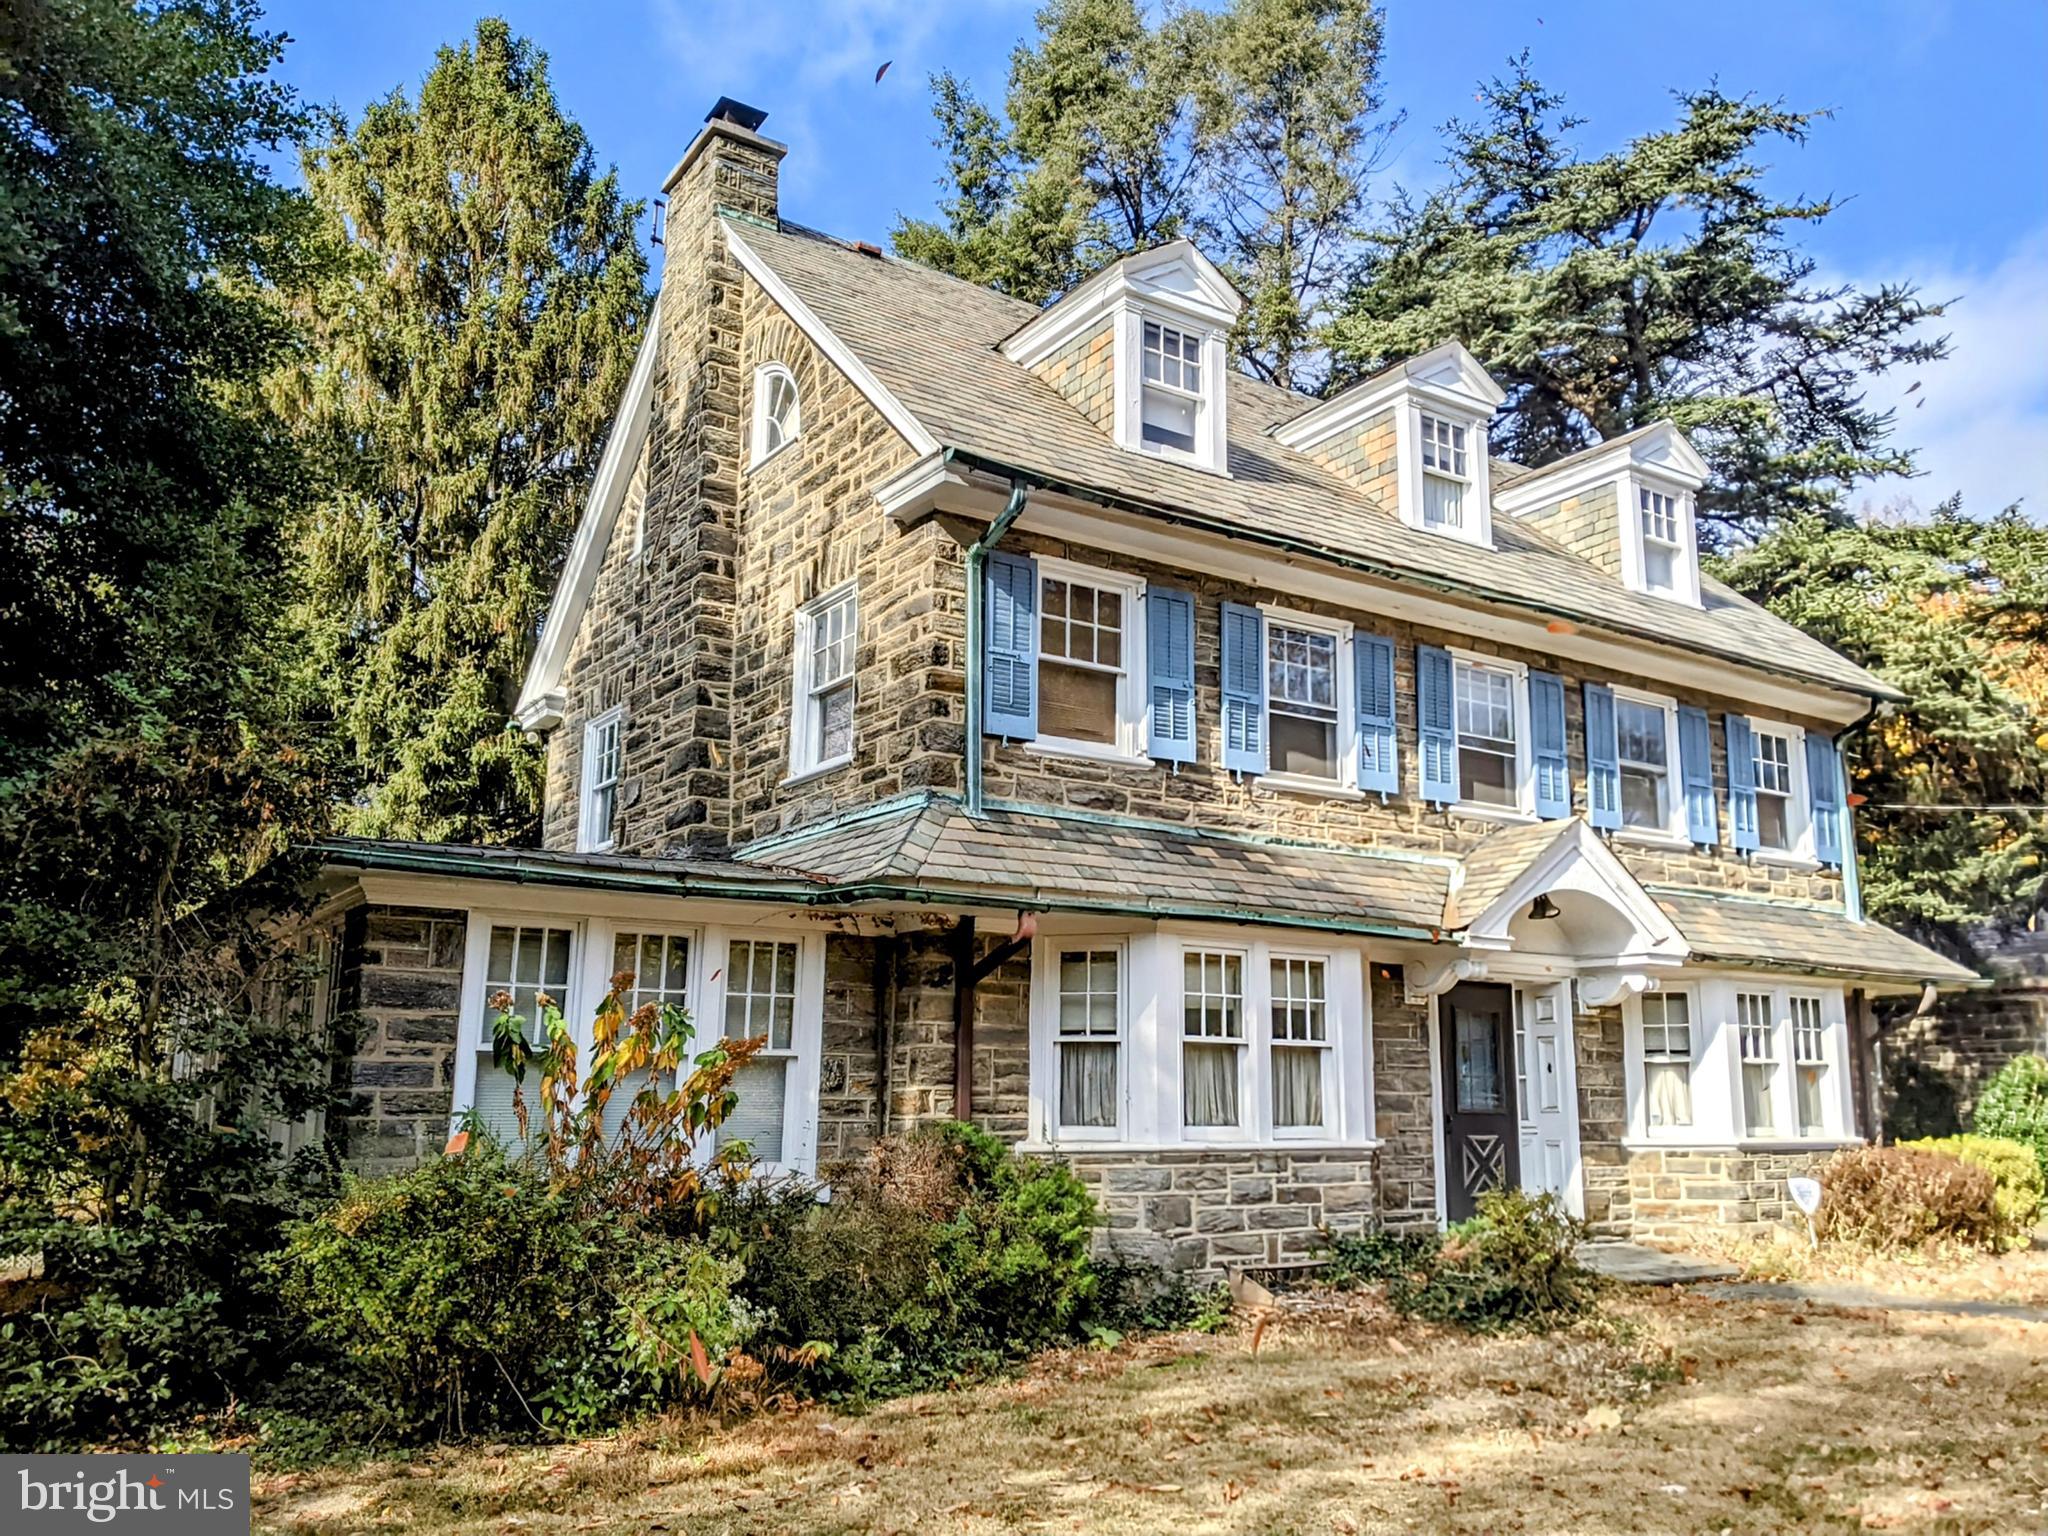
(1603, 1117)
(402, 974)
(1203, 793)
(1675, 1192)
(1937, 1065)
(1198, 1210)
(1405, 1105)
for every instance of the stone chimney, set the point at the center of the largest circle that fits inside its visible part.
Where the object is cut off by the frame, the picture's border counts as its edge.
(694, 452)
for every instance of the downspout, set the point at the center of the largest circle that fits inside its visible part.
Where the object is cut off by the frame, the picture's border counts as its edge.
(1852, 882)
(977, 602)
(1865, 1063)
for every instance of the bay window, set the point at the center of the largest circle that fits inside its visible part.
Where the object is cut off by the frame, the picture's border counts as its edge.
(1809, 1065)
(1299, 1020)
(1757, 1029)
(1667, 1060)
(1722, 1061)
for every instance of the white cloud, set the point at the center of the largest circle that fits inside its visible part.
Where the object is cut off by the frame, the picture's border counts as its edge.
(1983, 426)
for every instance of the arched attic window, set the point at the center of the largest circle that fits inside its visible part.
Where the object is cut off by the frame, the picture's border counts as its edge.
(778, 418)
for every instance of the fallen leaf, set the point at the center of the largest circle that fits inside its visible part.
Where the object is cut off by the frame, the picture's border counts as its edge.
(1603, 1416)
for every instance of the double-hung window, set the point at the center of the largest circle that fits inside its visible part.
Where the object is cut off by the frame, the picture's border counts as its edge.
(1299, 1019)
(827, 636)
(1212, 1038)
(1756, 1029)
(1446, 473)
(1488, 752)
(1643, 731)
(1667, 1060)
(600, 804)
(1088, 1038)
(528, 965)
(1663, 532)
(660, 967)
(1302, 690)
(1809, 1064)
(760, 999)
(1771, 757)
(1084, 659)
(1173, 387)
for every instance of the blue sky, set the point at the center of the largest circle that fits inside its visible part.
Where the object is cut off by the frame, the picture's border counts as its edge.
(1939, 138)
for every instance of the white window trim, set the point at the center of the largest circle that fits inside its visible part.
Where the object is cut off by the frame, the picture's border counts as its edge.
(1628, 487)
(1262, 1047)
(1524, 808)
(1673, 833)
(1151, 972)
(591, 945)
(591, 838)
(1045, 1038)
(1798, 814)
(1212, 444)
(1132, 747)
(1408, 416)
(804, 762)
(1344, 785)
(1717, 1118)
(767, 371)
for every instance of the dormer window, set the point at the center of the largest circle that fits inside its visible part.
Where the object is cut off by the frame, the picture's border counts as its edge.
(1173, 387)
(1662, 552)
(1445, 474)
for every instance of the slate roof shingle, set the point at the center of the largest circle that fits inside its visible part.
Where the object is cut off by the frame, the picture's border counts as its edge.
(1748, 932)
(931, 340)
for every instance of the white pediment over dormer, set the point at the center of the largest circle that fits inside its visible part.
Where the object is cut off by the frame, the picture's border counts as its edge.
(1168, 312)
(1447, 375)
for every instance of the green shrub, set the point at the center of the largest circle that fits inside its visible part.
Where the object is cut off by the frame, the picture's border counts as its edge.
(471, 1295)
(1900, 1197)
(1511, 1267)
(2013, 1170)
(2014, 1107)
(1131, 1296)
(936, 1257)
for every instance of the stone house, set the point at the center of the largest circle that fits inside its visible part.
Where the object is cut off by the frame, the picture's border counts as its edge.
(1280, 809)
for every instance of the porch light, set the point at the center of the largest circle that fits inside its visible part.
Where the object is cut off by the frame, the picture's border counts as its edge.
(1542, 909)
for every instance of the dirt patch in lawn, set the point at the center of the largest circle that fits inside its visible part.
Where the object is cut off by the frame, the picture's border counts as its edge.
(1674, 1413)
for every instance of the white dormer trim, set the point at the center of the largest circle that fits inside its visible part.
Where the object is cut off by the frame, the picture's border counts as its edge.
(1656, 458)
(1448, 383)
(1175, 285)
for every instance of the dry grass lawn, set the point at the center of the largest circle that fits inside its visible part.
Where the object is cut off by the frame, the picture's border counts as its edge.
(1678, 1414)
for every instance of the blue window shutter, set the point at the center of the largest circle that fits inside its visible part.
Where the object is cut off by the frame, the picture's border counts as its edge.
(1603, 759)
(1546, 734)
(1379, 752)
(1010, 655)
(1696, 768)
(1436, 724)
(1741, 782)
(1824, 796)
(1244, 689)
(1170, 659)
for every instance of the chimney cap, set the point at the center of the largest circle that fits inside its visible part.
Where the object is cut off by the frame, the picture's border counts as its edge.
(725, 109)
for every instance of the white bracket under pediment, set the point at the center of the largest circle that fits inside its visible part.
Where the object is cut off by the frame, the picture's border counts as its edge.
(1604, 914)
(1421, 983)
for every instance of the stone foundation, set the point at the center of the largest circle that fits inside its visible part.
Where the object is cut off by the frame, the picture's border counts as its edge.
(1197, 1211)
(1676, 1192)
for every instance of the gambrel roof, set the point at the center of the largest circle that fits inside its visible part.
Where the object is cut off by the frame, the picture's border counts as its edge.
(929, 342)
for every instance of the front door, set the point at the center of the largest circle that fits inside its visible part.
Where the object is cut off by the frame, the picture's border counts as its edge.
(1543, 1093)
(1481, 1133)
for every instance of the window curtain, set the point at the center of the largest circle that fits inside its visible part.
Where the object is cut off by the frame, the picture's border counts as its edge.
(1087, 1085)
(1756, 1098)
(1670, 1085)
(756, 1116)
(1297, 1086)
(1208, 1075)
(1812, 1119)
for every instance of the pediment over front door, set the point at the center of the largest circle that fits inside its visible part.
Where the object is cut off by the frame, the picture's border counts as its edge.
(1556, 889)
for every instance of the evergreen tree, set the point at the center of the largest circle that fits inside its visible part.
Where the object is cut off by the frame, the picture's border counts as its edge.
(1952, 611)
(468, 340)
(1290, 126)
(1659, 280)
(1252, 130)
(153, 774)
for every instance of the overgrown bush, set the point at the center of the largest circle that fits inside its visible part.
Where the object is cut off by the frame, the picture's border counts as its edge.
(471, 1295)
(1900, 1197)
(1511, 1267)
(2014, 1106)
(1132, 1296)
(2013, 1170)
(936, 1257)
